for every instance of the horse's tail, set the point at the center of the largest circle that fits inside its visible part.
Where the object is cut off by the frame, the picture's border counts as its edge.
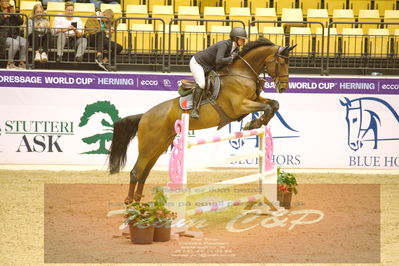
(124, 131)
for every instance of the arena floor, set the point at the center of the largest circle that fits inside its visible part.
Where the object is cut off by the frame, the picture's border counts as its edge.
(53, 217)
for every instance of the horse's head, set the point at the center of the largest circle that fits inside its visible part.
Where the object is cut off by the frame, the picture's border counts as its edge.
(354, 123)
(276, 66)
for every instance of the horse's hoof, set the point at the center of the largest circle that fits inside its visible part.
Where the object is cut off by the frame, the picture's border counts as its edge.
(137, 197)
(128, 201)
(247, 126)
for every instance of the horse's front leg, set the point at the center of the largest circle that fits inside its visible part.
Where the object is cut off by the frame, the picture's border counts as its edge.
(269, 108)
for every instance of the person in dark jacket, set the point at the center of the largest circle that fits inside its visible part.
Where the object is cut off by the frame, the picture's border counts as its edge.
(14, 42)
(213, 58)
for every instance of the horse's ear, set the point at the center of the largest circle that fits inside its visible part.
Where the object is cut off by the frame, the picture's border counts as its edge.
(286, 50)
(347, 103)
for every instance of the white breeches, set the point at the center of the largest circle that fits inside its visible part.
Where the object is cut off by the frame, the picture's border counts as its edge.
(198, 72)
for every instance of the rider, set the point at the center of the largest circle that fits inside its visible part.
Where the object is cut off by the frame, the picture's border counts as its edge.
(214, 57)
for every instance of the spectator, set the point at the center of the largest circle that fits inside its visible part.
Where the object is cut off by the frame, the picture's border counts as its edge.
(98, 32)
(14, 42)
(70, 29)
(39, 33)
(97, 3)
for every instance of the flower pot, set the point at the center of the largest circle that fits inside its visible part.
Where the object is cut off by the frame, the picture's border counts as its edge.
(140, 234)
(284, 198)
(162, 232)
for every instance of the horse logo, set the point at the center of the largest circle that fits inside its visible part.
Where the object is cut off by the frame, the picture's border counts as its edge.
(364, 121)
(103, 107)
(238, 143)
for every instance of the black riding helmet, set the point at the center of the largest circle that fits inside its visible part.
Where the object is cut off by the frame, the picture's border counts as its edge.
(238, 32)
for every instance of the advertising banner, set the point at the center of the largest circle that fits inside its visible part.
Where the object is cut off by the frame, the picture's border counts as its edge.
(323, 122)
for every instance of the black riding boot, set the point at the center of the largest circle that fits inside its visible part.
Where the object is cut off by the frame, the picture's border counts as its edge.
(196, 102)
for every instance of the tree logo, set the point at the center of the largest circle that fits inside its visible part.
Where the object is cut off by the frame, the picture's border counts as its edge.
(104, 107)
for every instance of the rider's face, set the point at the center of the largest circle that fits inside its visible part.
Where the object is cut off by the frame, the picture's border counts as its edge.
(240, 41)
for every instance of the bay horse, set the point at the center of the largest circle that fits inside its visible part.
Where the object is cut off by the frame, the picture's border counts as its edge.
(239, 96)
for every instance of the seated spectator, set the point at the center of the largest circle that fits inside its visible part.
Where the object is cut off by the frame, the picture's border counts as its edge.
(70, 29)
(39, 33)
(15, 43)
(98, 32)
(97, 3)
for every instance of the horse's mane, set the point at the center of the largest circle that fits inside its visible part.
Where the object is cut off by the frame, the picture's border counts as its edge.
(251, 45)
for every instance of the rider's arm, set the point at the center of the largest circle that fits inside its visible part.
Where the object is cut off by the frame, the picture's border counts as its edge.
(221, 60)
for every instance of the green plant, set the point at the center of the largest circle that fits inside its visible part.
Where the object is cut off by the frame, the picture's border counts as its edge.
(164, 215)
(151, 213)
(286, 182)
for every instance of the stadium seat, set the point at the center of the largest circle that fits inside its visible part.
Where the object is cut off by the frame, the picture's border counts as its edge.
(357, 5)
(305, 5)
(254, 4)
(280, 4)
(177, 3)
(330, 5)
(369, 16)
(343, 15)
(391, 16)
(26, 7)
(292, 14)
(319, 15)
(55, 8)
(207, 3)
(137, 11)
(396, 42)
(378, 42)
(195, 38)
(274, 34)
(142, 38)
(228, 4)
(114, 7)
(125, 3)
(302, 38)
(122, 35)
(163, 12)
(188, 12)
(352, 42)
(382, 5)
(240, 13)
(253, 34)
(265, 14)
(219, 33)
(333, 48)
(152, 3)
(85, 9)
(214, 13)
(175, 38)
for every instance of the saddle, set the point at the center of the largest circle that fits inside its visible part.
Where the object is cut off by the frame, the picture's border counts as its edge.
(212, 89)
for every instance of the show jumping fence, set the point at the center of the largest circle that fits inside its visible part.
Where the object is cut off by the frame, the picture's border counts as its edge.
(178, 168)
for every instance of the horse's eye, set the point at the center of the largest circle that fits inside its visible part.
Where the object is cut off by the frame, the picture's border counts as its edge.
(354, 120)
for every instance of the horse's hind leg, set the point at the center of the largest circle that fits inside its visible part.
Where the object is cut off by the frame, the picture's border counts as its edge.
(150, 148)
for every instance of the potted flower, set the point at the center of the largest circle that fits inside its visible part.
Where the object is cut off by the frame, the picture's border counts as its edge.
(286, 185)
(141, 218)
(164, 217)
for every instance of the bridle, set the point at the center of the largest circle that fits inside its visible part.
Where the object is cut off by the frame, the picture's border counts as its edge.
(277, 77)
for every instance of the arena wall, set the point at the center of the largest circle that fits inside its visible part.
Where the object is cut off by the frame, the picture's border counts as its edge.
(324, 122)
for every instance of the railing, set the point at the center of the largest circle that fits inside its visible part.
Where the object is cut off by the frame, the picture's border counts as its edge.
(158, 46)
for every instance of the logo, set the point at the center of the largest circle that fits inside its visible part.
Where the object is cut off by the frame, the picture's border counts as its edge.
(167, 83)
(39, 135)
(280, 159)
(111, 113)
(365, 121)
(146, 82)
(238, 143)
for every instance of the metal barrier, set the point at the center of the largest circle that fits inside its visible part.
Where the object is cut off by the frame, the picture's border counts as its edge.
(305, 55)
(361, 51)
(143, 44)
(190, 42)
(3, 48)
